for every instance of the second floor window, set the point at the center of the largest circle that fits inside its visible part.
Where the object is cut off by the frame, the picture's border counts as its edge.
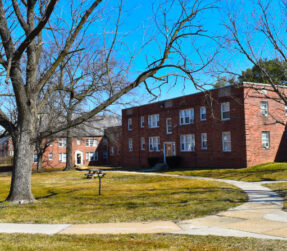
(130, 144)
(187, 143)
(91, 142)
(153, 121)
(266, 139)
(142, 121)
(62, 142)
(130, 124)
(225, 111)
(264, 108)
(168, 126)
(154, 144)
(202, 113)
(186, 116)
(142, 143)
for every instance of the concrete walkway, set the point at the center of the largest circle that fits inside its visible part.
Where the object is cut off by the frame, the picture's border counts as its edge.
(260, 217)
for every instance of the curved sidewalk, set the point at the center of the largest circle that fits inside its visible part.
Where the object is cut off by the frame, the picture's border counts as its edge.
(261, 217)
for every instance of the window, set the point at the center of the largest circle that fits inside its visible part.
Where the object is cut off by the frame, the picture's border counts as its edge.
(142, 143)
(225, 111)
(78, 142)
(266, 139)
(130, 124)
(50, 156)
(202, 113)
(105, 155)
(92, 156)
(186, 116)
(187, 143)
(11, 153)
(285, 110)
(142, 121)
(91, 142)
(112, 151)
(62, 142)
(62, 157)
(130, 144)
(204, 141)
(153, 121)
(154, 145)
(226, 142)
(264, 108)
(168, 126)
(35, 158)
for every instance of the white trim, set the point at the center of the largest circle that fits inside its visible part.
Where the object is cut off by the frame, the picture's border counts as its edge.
(224, 141)
(201, 113)
(222, 107)
(82, 157)
(166, 125)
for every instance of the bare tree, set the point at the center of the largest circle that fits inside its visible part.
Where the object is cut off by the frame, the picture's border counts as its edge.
(26, 31)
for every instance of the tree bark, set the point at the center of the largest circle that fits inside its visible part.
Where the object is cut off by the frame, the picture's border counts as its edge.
(20, 190)
(40, 162)
(69, 147)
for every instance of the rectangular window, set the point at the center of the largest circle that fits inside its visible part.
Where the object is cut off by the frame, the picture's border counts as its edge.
(78, 142)
(187, 143)
(142, 121)
(62, 142)
(62, 157)
(154, 144)
(266, 139)
(168, 126)
(285, 110)
(130, 126)
(130, 144)
(142, 143)
(203, 113)
(225, 111)
(153, 121)
(204, 141)
(112, 151)
(186, 116)
(92, 156)
(264, 108)
(105, 155)
(226, 142)
(35, 158)
(91, 142)
(50, 156)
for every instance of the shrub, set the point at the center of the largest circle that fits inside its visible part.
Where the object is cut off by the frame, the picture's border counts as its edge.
(173, 161)
(152, 161)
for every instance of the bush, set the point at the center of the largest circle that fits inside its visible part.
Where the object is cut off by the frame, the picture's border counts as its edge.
(152, 161)
(173, 161)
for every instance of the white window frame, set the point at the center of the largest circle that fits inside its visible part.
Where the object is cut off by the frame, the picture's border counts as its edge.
(264, 108)
(92, 156)
(78, 142)
(35, 158)
(142, 143)
(154, 144)
(265, 138)
(285, 110)
(153, 121)
(62, 157)
(225, 111)
(142, 121)
(130, 142)
(202, 113)
(226, 141)
(62, 142)
(50, 156)
(168, 126)
(130, 124)
(91, 142)
(187, 143)
(204, 141)
(186, 116)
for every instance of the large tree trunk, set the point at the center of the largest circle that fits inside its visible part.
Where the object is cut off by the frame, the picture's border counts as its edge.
(69, 147)
(20, 190)
(40, 162)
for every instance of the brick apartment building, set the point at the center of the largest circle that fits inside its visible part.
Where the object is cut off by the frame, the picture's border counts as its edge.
(233, 126)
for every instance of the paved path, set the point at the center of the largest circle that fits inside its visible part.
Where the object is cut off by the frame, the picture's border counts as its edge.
(260, 217)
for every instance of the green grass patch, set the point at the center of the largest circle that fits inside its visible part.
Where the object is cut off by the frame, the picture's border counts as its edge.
(263, 172)
(67, 197)
(281, 189)
(136, 242)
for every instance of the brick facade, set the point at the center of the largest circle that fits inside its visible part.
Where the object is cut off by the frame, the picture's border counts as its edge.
(245, 126)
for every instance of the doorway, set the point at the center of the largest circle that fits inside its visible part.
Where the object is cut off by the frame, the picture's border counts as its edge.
(169, 150)
(79, 158)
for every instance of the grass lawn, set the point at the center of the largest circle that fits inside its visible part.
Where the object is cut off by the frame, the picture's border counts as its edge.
(67, 197)
(135, 242)
(268, 171)
(281, 189)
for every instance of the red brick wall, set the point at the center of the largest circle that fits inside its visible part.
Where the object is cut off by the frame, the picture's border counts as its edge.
(114, 137)
(256, 123)
(213, 126)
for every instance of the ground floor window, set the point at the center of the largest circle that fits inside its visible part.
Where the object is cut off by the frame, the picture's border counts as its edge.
(187, 143)
(62, 157)
(92, 156)
(130, 144)
(226, 142)
(112, 151)
(154, 144)
(266, 139)
(35, 157)
(204, 141)
(142, 143)
(50, 156)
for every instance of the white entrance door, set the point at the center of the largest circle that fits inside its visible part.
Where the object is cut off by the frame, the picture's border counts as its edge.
(79, 158)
